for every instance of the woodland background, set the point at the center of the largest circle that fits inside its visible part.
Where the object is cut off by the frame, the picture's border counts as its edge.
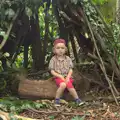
(91, 29)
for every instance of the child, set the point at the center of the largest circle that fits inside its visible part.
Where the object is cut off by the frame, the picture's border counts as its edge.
(61, 68)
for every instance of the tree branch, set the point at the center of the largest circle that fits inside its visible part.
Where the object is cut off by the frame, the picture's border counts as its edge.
(9, 30)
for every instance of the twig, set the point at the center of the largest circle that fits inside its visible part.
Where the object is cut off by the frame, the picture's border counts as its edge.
(44, 112)
(107, 78)
(68, 18)
(102, 64)
(114, 66)
(9, 30)
(55, 112)
(114, 85)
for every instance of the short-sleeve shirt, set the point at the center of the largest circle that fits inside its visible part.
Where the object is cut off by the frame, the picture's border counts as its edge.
(61, 66)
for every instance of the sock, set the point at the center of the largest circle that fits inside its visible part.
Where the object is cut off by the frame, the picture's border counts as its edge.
(57, 100)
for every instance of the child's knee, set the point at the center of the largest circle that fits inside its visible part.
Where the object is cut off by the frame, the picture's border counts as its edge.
(63, 85)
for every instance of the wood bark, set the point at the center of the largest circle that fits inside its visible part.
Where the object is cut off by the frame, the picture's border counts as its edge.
(45, 43)
(74, 47)
(37, 51)
(25, 63)
(36, 89)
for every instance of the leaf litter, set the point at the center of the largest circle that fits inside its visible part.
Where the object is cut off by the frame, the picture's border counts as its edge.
(99, 108)
(93, 110)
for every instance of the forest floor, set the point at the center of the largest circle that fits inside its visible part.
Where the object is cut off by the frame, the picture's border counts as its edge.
(98, 106)
(85, 112)
(95, 108)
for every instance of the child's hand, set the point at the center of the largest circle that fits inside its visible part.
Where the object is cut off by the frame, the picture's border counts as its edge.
(67, 79)
(61, 77)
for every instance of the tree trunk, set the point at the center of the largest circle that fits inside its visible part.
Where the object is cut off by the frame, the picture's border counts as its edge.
(37, 52)
(20, 34)
(74, 47)
(25, 63)
(46, 35)
(62, 28)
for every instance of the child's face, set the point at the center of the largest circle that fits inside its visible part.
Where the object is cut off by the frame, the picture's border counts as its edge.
(60, 49)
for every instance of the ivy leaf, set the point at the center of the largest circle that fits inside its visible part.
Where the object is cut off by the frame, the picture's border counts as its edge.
(26, 106)
(6, 54)
(2, 33)
(12, 109)
(3, 107)
(38, 106)
(28, 11)
(74, 1)
(8, 63)
(10, 13)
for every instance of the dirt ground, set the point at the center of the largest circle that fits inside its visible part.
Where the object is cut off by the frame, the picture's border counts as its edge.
(95, 108)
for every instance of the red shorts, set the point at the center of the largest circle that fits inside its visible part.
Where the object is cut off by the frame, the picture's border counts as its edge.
(68, 85)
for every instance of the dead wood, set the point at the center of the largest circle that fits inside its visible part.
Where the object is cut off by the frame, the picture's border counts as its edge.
(38, 73)
(35, 89)
(101, 60)
(108, 98)
(55, 112)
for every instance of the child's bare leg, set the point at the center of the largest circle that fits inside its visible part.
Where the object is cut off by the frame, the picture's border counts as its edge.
(60, 90)
(73, 93)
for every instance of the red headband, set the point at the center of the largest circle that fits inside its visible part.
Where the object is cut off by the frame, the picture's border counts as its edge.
(59, 41)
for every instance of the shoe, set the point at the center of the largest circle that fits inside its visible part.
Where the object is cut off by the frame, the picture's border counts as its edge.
(79, 102)
(57, 102)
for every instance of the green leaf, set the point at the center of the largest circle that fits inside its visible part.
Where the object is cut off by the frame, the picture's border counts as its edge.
(6, 54)
(74, 1)
(8, 64)
(78, 118)
(2, 33)
(51, 117)
(10, 13)
(3, 107)
(82, 118)
(101, 2)
(38, 105)
(11, 115)
(26, 106)
(28, 11)
(12, 109)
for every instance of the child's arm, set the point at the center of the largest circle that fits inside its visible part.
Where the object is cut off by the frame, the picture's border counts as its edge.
(57, 75)
(69, 75)
(70, 70)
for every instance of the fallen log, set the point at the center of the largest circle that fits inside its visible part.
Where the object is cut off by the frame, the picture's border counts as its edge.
(36, 89)
(46, 89)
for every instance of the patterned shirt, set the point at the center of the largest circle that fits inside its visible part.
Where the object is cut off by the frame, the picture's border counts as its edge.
(61, 66)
